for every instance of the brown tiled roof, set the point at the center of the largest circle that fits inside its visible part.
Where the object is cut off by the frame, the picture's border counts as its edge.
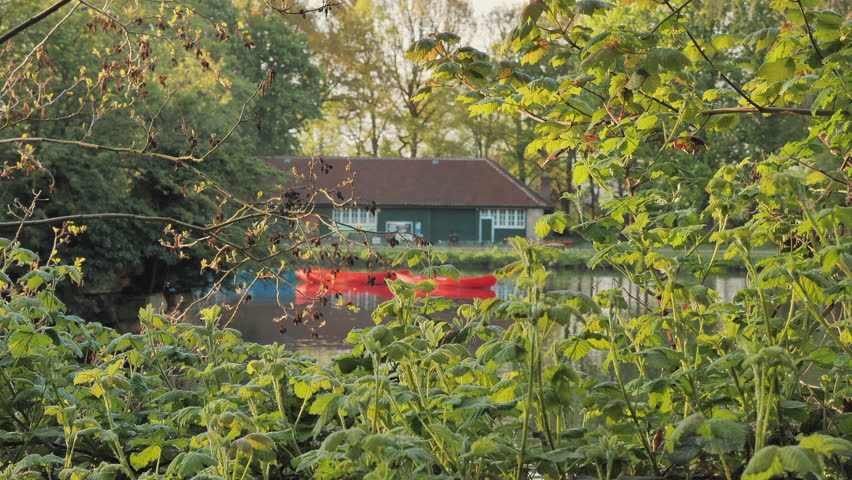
(444, 182)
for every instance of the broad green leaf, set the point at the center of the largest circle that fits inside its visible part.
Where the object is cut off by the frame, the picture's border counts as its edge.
(669, 58)
(35, 279)
(764, 465)
(722, 435)
(796, 459)
(191, 463)
(23, 256)
(646, 122)
(259, 441)
(577, 349)
(36, 460)
(580, 174)
(425, 286)
(600, 59)
(23, 342)
(533, 11)
(777, 71)
(723, 42)
(88, 376)
(826, 445)
(485, 106)
(143, 458)
(590, 7)
(322, 402)
(761, 39)
(422, 50)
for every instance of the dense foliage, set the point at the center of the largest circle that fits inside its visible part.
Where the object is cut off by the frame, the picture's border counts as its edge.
(126, 109)
(418, 397)
(637, 111)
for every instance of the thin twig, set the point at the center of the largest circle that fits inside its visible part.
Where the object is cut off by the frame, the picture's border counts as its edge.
(823, 172)
(110, 216)
(808, 29)
(675, 12)
(707, 59)
(326, 6)
(95, 146)
(33, 20)
(769, 110)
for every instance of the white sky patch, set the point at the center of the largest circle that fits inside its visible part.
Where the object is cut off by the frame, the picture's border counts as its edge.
(481, 8)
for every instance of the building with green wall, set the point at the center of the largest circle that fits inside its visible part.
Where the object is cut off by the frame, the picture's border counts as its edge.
(445, 200)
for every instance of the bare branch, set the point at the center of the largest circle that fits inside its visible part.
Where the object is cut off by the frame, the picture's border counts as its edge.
(769, 110)
(33, 20)
(289, 10)
(674, 12)
(695, 43)
(808, 29)
(108, 216)
(95, 146)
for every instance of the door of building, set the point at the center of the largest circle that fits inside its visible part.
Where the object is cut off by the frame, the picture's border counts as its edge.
(486, 230)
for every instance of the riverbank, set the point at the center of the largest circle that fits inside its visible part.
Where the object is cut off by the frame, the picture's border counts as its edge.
(482, 258)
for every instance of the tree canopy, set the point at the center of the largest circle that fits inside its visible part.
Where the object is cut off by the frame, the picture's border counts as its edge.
(159, 109)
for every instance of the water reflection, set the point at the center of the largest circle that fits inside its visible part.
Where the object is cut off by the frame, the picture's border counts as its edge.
(325, 325)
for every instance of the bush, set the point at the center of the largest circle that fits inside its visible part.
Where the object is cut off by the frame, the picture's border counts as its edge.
(417, 397)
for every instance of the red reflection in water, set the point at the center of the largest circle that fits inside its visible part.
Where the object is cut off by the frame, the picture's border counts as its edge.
(460, 293)
(309, 292)
(447, 283)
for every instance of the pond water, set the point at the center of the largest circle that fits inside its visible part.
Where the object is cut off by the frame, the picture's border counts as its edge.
(324, 337)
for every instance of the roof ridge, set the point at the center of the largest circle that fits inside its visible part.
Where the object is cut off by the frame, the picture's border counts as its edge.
(470, 181)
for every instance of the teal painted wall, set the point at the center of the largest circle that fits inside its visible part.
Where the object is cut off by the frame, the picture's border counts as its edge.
(501, 234)
(413, 215)
(323, 211)
(459, 220)
(437, 223)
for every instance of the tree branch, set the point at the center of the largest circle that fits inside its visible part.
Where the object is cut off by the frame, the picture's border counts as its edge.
(808, 29)
(727, 80)
(823, 172)
(109, 216)
(95, 146)
(769, 110)
(326, 6)
(674, 12)
(33, 20)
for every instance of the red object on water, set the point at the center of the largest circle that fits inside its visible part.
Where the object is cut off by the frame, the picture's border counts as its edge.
(309, 292)
(333, 277)
(484, 281)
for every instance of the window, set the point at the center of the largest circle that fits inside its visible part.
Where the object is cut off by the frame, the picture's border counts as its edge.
(354, 218)
(505, 217)
(401, 227)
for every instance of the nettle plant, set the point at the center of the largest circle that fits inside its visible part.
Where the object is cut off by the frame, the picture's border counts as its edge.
(177, 400)
(754, 385)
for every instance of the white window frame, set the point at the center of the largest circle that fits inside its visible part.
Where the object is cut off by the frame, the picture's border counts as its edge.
(503, 218)
(354, 218)
(515, 218)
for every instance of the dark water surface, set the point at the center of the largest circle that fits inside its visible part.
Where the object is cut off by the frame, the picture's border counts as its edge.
(324, 337)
